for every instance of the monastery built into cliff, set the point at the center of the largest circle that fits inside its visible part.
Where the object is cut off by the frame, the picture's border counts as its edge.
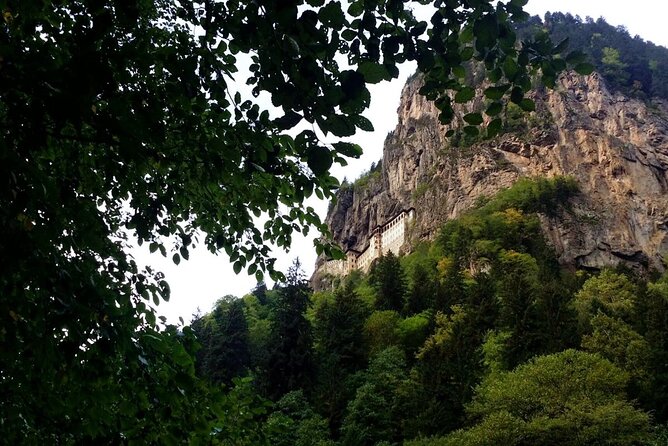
(389, 237)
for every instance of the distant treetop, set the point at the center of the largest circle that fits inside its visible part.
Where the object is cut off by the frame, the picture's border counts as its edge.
(629, 64)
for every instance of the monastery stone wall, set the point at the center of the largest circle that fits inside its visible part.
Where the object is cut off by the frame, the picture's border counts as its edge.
(388, 237)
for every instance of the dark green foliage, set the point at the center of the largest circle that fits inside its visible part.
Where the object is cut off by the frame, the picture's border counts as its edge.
(477, 237)
(447, 368)
(569, 398)
(259, 318)
(627, 63)
(654, 316)
(376, 412)
(543, 195)
(223, 333)
(260, 292)
(450, 288)
(120, 120)
(387, 277)
(369, 177)
(380, 330)
(554, 312)
(294, 423)
(413, 331)
(487, 362)
(290, 365)
(517, 292)
(341, 351)
(240, 415)
(338, 329)
(423, 291)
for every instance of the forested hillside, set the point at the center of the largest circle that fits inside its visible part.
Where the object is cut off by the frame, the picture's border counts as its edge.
(477, 338)
(628, 63)
(179, 125)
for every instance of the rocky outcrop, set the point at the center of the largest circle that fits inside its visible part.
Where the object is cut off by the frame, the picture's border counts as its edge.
(615, 147)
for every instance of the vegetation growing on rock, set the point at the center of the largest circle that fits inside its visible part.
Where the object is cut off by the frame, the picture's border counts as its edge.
(481, 338)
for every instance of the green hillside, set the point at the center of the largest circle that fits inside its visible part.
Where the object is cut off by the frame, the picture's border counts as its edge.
(477, 338)
(628, 63)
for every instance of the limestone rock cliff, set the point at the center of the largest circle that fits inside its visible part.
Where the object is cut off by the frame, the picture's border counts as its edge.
(615, 147)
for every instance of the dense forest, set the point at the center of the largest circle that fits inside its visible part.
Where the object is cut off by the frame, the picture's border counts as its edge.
(477, 338)
(480, 337)
(628, 64)
(123, 124)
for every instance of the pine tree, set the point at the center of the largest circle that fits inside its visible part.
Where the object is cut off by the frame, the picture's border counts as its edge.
(291, 362)
(387, 277)
(339, 330)
(225, 352)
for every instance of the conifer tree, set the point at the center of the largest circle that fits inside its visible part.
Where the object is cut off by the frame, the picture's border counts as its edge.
(291, 362)
(387, 277)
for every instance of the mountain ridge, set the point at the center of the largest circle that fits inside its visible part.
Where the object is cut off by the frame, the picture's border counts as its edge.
(614, 146)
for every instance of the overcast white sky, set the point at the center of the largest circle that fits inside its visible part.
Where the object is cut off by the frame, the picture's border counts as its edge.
(199, 282)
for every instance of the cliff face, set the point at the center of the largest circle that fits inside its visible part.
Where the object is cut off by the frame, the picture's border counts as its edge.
(614, 146)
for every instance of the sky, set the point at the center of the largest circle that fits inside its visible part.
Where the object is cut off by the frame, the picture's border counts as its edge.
(200, 281)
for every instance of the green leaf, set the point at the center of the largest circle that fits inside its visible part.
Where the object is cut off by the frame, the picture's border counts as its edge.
(348, 149)
(459, 71)
(340, 125)
(467, 53)
(495, 75)
(471, 130)
(418, 29)
(494, 127)
(373, 72)
(486, 30)
(363, 123)
(446, 115)
(473, 118)
(466, 35)
(584, 68)
(497, 92)
(527, 105)
(352, 84)
(319, 160)
(494, 109)
(150, 316)
(510, 68)
(289, 120)
(516, 95)
(348, 35)
(332, 15)
(464, 95)
(184, 252)
(576, 57)
(548, 80)
(561, 46)
(176, 259)
(237, 267)
(356, 8)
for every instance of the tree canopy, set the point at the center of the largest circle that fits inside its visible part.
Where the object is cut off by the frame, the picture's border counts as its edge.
(526, 354)
(121, 121)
